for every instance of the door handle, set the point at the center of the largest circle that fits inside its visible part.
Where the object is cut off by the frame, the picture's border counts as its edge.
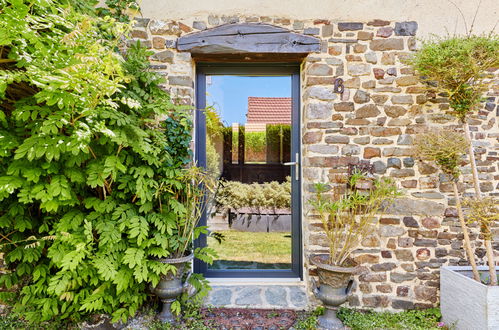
(296, 164)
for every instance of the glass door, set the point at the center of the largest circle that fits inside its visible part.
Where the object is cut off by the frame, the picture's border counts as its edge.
(247, 140)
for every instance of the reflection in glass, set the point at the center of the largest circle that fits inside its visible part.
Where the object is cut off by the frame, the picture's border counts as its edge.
(248, 122)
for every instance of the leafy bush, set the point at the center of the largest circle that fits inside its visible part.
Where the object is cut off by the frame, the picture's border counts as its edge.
(443, 147)
(457, 64)
(91, 182)
(259, 197)
(412, 319)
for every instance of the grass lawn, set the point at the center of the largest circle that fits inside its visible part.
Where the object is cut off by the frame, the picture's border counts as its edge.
(246, 246)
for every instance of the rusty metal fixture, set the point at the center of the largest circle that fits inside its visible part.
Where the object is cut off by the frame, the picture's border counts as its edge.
(334, 289)
(171, 286)
(363, 167)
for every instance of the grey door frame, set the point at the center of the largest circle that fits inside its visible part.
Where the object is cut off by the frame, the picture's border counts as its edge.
(254, 69)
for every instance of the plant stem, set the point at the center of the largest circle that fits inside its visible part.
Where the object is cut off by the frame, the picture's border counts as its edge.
(472, 160)
(488, 245)
(467, 242)
(490, 261)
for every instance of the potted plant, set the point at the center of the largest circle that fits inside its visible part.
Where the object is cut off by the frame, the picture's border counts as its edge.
(190, 200)
(347, 217)
(463, 290)
(459, 68)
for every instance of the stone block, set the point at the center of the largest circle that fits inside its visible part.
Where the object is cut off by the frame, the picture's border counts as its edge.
(318, 69)
(403, 255)
(394, 111)
(373, 277)
(361, 97)
(379, 167)
(164, 27)
(359, 69)
(319, 110)
(406, 28)
(158, 42)
(426, 293)
(378, 22)
(181, 81)
(386, 266)
(199, 25)
(344, 106)
(383, 132)
(371, 57)
(369, 84)
(391, 231)
(350, 150)
(165, 56)
(394, 163)
(430, 223)
(367, 111)
(375, 301)
(402, 173)
(379, 99)
(327, 30)
(370, 152)
(324, 149)
(410, 222)
(312, 31)
(423, 254)
(401, 277)
(405, 206)
(387, 44)
(321, 93)
(365, 35)
(312, 137)
(337, 139)
(379, 73)
(407, 81)
(402, 304)
(384, 32)
(405, 242)
(402, 99)
(350, 26)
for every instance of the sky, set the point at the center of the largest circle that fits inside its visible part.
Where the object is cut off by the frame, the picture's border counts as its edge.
(229, 94)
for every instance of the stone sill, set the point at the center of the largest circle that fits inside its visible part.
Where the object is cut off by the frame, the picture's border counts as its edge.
(226, 281)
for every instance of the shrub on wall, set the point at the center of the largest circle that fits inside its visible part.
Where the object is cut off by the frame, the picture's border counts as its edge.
(85, 166)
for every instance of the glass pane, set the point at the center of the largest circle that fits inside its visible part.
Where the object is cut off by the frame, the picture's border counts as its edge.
(248, 121)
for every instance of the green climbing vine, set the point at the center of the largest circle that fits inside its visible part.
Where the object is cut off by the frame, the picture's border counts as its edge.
(89, 177)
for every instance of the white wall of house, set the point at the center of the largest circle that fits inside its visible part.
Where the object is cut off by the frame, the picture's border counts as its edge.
(433, 16)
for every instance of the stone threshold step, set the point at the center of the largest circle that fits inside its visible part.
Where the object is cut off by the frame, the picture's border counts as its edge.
(258, 296)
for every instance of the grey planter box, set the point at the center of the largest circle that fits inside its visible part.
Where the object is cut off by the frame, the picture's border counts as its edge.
(466, 303)
(261, 222)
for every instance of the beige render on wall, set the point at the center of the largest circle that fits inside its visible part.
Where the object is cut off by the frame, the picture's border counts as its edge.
(434, 16)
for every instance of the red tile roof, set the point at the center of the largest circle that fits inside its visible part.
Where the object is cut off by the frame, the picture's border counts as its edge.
(269, 110)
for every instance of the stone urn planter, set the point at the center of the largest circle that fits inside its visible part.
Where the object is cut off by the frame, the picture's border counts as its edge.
(466, 303)
(335, 287)
(171, 286)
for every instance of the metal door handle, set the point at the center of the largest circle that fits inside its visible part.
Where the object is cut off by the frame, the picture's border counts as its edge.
(296, 164)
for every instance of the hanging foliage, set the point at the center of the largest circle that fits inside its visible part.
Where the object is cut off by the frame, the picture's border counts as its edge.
(89, 178)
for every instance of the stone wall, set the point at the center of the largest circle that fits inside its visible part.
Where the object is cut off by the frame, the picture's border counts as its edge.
(375, 120)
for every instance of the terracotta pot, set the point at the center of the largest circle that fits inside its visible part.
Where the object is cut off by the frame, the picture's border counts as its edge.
(335, 287)
(171, 286)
